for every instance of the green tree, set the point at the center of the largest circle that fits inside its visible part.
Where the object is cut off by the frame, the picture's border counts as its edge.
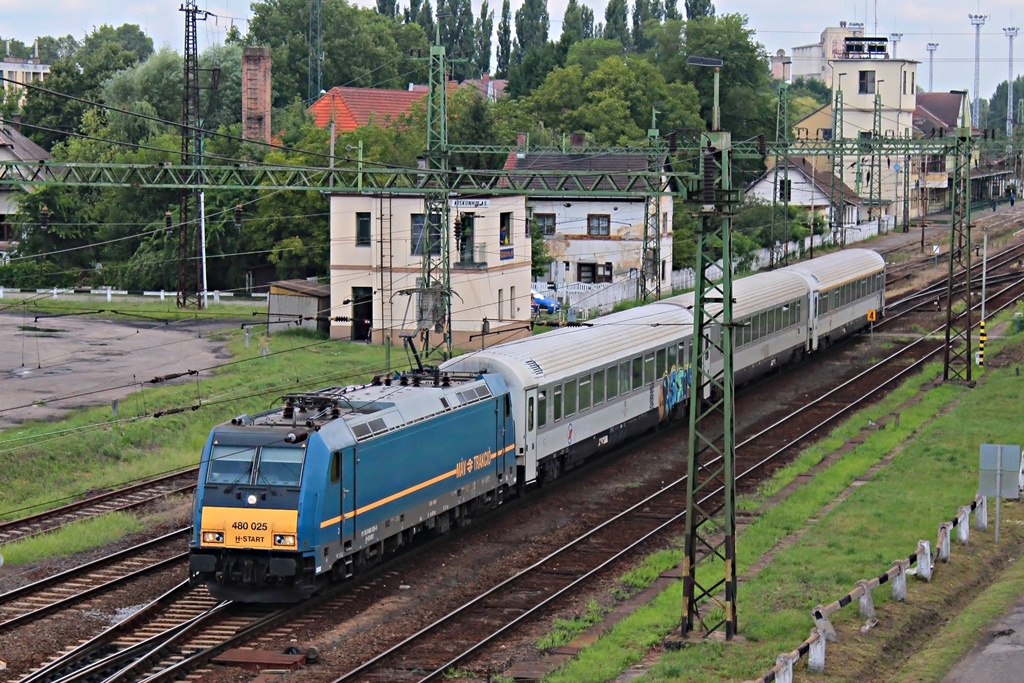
(671, 10)
(615, 27)
(504, 53)
(644, 12)
(387, 8)
(578, 23)
(696, 9)
(483, 31)
(534, 67)
(52, 48)
(532, 22)
(590, 53)
(540, 259)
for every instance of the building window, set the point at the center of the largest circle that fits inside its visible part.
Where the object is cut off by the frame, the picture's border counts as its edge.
(604, 273)
(501, 301)
(785, 189)
(867, 83)
(586, 272)
(511, 303)
(505, 226)
(826, 133)
(913, 88)
(545, 223)
(419, 237)
(904, 82)
(599, 224)
(362, 229)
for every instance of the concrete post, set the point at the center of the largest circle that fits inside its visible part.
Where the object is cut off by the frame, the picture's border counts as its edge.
(108, 292)
(54, 295)
(1, 292)
(899, 582)
(822, 623)
(981, 514)
(963, 527)
(816, 653)
(216, 296)
(865, 602)
(924, 560)
(785, 663)
(943, 541)
(161, 295)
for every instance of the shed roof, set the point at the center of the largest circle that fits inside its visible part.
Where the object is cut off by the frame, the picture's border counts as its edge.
(354, 107)
(303, 287)
(580, 161)
(19, 147)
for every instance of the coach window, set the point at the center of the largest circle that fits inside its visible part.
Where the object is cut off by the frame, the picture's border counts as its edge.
(659, 363)
(649, 368)
(762, 325)
(613, 382)
(542, 408)
(584, 392)
(638, 372)
(599, 387)
(624, 377)
(569, 397)
(557, 402)
(671, 357)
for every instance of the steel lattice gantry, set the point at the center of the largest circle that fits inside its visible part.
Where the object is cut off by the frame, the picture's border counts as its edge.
(188, 267)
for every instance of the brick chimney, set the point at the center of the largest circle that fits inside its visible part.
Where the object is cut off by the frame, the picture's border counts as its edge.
(256, 93)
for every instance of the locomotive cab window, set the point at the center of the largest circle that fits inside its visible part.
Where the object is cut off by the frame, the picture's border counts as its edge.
(280, 466)
(231, 465)
(335, 471)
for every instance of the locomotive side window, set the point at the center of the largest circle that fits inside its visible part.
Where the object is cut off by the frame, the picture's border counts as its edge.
(569, 397)
(529, 414)
(599, 387)
(231, 465)
(613, 382)
(542, 408)
(557, 402)
(335, 467)
(584, 392)
(638, 373)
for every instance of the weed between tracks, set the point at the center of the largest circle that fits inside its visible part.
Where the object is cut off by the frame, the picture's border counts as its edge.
(828, 549)
(73, 538)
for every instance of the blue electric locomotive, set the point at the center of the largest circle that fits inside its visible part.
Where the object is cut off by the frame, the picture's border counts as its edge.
(343, 475)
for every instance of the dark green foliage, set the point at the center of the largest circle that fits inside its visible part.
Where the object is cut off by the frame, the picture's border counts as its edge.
(483, 32)
(387, 8)
(615, 27)
(504, 53)
(540, 258)
(533, 68)
(645, 13)
(810, 87)
(531, 28)
(696, 9)
(578, 23)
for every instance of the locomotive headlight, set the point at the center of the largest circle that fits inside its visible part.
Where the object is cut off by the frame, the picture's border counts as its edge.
(213, 537)
(284, 539)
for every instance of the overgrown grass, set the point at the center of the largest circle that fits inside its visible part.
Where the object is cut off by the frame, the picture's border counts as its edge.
(923, 486)
(72, 538)
(564, 630)
(46, 464)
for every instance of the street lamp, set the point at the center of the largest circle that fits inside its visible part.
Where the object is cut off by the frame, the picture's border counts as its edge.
(694, 60)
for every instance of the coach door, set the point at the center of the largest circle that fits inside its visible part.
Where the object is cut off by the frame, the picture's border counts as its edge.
(528, 451)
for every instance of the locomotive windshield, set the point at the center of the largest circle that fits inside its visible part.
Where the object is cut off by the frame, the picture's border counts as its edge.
(268, 465)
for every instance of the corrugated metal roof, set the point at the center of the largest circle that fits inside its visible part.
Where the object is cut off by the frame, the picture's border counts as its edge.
(838, 268)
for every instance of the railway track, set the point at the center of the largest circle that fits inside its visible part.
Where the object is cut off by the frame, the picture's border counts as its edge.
(131, 497)
(70, 588)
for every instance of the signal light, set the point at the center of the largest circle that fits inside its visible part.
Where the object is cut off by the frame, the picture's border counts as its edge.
(44, 217)
(167, 222)
(238, 216)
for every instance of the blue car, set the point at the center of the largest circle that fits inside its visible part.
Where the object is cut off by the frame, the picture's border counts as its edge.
(539, 302)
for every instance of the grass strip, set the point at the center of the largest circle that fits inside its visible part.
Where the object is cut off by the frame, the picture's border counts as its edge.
(73, 538)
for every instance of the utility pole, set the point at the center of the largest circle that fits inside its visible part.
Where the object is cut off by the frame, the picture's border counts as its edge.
(957, 359)
(875, 166)
(315, 59)
(1010, 33)
(838, 142)
(780, 188)
(709, 602)
(978, 20)
(189, 273)
(650, 255)
(932, 47)
(434, 309)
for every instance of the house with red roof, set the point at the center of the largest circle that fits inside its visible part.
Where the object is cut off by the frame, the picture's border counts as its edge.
(351, 108)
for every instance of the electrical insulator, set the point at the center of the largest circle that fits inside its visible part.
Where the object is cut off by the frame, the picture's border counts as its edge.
(458, 232)
(762, 145)
(238, 216)
(167, 222)
(708, 191)
(673, 145)
(44, 217)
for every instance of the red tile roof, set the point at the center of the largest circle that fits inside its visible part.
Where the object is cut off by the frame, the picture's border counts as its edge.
(355, 107)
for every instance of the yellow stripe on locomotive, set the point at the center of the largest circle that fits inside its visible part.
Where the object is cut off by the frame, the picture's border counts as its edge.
(249, 528)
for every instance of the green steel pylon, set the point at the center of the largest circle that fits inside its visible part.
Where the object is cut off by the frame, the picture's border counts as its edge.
(838, 212)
